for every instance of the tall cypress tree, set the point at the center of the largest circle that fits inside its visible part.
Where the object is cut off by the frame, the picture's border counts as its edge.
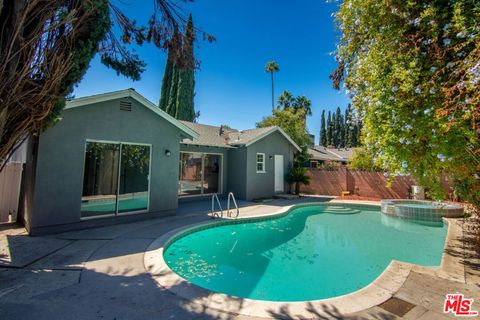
(186, 78)
(329, 129)
(336, 128)
(323, 131)
(166, 82)
(171, 107)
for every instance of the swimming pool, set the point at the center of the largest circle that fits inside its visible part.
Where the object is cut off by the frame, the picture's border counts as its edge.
(314, 252)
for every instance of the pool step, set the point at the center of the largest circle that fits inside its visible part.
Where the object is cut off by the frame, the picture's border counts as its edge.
(340, 210)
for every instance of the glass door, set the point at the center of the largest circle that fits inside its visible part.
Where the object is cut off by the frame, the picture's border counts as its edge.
(100, 179)
(134, 178)
(116, 179)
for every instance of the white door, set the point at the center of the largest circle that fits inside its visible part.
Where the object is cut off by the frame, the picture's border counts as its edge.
(279, 174)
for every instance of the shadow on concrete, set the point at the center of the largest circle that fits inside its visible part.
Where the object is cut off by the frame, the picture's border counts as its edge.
(468, 251)
(327, 312)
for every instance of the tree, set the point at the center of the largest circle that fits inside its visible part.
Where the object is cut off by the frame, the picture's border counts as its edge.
(329, 129)
(166, 81)
(304, 104)
(272, 67)
(185, 109)
(171, 108)
(285, 100)
(323, 131)
(46, 47)
(413, 71)
(297, 176)
(291, 122)
(363, 161)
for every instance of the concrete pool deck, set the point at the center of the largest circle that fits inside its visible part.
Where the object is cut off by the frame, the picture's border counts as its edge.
(100, 274)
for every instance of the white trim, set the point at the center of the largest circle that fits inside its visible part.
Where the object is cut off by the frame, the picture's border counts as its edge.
(274, 129)
(131, 93)
(257, 162)
(220, 176)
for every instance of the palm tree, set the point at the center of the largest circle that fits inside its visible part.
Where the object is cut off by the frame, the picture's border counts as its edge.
(304, 104)
(272, 67)
(285, 100)
(297, 176)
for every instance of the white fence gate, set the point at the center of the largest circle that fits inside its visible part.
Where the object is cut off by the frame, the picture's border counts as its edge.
(10, 180)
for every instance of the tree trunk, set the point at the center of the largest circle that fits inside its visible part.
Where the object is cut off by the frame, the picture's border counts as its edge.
(297, 188)
(273, 94)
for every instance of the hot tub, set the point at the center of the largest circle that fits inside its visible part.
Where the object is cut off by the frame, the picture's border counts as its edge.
(421, 209)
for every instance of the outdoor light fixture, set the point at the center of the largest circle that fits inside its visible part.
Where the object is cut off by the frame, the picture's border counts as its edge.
(167, 153)
(270, 157)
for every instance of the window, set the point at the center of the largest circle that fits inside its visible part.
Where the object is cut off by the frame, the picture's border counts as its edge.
(314, 164)
(200, 173)
(115, 179)
(260, 162)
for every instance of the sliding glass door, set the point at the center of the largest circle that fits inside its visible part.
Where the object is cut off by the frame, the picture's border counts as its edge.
(100, 179)
(116, 178)
(134, 178)
(200, 173)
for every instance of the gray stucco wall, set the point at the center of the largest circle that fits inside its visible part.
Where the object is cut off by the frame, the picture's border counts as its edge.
(237, 178)
(205, 149)
(61, 152)
(262, 185)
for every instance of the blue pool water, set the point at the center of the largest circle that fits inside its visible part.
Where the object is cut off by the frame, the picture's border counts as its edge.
(312, 253)
(418, 205)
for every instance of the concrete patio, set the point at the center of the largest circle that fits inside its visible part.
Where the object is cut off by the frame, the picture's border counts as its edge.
(100, 274)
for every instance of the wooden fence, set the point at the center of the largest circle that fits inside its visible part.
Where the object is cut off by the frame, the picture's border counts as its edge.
(361, 183)
(10, 180)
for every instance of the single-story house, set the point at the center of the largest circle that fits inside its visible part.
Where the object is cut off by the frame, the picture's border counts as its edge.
(117, 157)
(320, 154)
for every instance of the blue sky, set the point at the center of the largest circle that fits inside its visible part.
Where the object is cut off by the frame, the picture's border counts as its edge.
(231, 85)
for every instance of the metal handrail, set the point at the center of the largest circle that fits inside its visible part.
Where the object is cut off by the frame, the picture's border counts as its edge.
(215, 214)
(234, 202)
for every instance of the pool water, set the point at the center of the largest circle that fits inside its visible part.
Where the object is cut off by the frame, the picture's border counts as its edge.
(311, 253)
(419, 205)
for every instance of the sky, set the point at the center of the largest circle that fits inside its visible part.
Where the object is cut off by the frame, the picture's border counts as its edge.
(231, 85)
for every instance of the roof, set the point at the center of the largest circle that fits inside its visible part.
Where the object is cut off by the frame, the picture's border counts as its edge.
(229, 138)
(330, 154)
(131, 93)
(207, 135)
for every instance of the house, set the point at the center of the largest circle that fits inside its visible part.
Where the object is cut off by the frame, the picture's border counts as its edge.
(319, 155)
(117, 157)
(251, 163)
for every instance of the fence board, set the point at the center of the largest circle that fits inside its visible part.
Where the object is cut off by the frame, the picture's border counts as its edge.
(10, 179)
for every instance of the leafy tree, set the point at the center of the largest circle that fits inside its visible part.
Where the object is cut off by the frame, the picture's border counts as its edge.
(413, 71)
(185, 109)
(297, 176)
(323, 131)
(291, 122)
(363, 161)
(272, 67)
(46, 47)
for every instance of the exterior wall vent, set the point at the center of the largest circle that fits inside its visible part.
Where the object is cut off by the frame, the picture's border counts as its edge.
(125, 106)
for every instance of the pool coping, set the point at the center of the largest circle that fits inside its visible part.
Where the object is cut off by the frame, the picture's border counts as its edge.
(375, 293)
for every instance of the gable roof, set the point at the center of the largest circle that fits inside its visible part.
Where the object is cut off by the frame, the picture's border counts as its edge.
(249, 137)
(215, 136)
(207, 135)
(330, 154)
(131, 93)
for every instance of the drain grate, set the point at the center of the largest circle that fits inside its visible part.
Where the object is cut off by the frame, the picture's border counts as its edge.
(397, 306)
